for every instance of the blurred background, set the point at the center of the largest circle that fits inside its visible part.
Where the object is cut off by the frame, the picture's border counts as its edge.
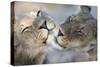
(59, 12)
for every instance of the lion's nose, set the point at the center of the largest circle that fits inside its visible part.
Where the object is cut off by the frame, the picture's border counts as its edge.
(44, 25)
(60, 33)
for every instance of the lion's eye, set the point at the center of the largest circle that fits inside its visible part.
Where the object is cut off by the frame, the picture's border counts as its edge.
(26, 29)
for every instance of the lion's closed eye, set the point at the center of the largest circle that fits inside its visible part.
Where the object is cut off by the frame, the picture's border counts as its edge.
(27, 29)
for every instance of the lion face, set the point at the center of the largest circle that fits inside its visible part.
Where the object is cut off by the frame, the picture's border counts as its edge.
(31, 38)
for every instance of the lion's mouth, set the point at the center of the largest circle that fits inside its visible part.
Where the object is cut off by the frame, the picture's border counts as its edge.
(78, 32)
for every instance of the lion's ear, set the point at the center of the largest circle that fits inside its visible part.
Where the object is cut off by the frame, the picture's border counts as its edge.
(36, 12)
(39, 13)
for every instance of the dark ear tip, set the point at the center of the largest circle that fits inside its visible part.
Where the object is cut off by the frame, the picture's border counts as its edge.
(38, 13)
(87, 7)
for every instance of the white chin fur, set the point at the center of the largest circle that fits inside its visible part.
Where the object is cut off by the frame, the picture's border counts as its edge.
(51, 42)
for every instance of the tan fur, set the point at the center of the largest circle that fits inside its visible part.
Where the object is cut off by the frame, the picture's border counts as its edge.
(28, 43)
(82, 31)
